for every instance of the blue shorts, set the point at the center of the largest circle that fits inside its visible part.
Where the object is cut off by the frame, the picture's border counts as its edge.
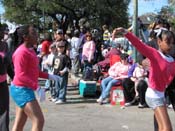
(155, 102)
(21, 95)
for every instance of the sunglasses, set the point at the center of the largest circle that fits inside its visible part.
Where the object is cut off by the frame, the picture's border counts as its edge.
(88, 36)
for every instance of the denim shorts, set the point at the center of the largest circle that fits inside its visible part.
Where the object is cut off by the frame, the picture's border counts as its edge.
(21, 95)
(155, 102)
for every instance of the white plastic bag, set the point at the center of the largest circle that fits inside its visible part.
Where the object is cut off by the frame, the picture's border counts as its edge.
(41, 94)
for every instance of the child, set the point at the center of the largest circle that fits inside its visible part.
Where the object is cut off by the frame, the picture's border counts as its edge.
(25, 81)
(61, 66)
(49, 63)
(161, 73)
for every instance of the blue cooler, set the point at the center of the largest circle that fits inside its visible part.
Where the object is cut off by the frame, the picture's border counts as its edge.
(87, 88)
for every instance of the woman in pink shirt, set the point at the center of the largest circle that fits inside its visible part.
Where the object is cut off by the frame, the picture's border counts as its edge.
(116, 72)
(88, 53)
(26, 68)
(161, 72)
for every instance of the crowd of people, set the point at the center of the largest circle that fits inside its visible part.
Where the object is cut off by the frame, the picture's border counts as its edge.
(83, 51)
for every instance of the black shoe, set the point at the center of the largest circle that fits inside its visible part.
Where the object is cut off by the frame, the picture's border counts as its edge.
(142, 105)
(135, 100)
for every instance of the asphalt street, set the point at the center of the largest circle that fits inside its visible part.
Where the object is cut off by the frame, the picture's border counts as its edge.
(84, 114)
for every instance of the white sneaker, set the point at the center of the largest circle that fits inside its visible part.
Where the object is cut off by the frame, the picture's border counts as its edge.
(105, 101)
(128, 104)
(170, 106)
(99, 100)
(54, 99)
(59, 102)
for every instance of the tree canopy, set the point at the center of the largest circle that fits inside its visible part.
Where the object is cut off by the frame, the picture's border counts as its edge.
(66, 13)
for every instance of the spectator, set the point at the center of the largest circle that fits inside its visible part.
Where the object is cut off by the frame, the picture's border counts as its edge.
(105, 64)
(45, 49)
(49, 65)
(116, 72)
(59, 36)
(106, 36)
(88, 52)
(61, 67)
(140, 79)
(75, 44)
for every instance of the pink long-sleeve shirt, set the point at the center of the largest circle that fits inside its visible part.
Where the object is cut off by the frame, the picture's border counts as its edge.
(119, 70)
(161, 71)
(88, 50)
(26, 68)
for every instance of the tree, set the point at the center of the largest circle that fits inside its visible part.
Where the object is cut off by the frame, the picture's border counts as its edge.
(168, 13)
(66, 13)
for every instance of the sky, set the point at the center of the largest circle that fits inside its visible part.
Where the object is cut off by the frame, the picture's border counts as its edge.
(147, 6)
(1, 9)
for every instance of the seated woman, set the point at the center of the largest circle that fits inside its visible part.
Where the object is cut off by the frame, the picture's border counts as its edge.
(136, 84)
(116, 72)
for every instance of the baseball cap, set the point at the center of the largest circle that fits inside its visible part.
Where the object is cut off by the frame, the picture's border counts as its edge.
(59, 31)
(60, 44)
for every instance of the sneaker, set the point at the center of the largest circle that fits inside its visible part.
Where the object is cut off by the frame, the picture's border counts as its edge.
(54, 99)
(105, 101)
(142, 105)
(59, 102)
(99, 100)
(170, 106)
(128, 104)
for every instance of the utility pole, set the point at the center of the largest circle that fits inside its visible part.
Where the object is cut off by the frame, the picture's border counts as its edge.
(135, 24)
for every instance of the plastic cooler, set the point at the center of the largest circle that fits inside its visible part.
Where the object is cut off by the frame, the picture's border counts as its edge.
(87, 88)
(117, 96)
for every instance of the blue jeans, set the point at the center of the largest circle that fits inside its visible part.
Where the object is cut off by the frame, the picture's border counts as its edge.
(106, 86)
(48, 83)
(61, 87)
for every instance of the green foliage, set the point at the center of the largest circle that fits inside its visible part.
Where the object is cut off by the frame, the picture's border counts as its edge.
(63, 12)
(168, 13)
